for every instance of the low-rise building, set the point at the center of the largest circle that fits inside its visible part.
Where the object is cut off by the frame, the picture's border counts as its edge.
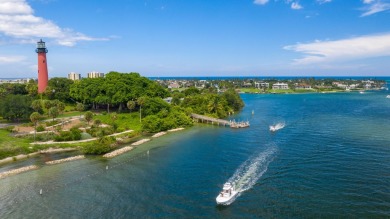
(280, 86)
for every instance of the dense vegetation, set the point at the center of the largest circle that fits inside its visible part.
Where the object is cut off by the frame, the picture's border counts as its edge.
(120, 101)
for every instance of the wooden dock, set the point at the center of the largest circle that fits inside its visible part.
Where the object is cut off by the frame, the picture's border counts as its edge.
(219, 122)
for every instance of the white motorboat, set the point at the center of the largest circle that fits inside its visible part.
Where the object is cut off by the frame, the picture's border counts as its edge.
(272, 128)
(388, 96)
(227, 194)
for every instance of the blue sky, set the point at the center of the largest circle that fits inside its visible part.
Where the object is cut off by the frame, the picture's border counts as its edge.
(197, 38)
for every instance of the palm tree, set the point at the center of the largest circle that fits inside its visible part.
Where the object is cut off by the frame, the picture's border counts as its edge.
(130, 105)
(34, 117)
(141, 102)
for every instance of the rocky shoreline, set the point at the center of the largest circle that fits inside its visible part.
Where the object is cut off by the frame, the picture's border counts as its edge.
(65, 160)
(118, 152)
(17, 171)
(158, 134)
(140, 142)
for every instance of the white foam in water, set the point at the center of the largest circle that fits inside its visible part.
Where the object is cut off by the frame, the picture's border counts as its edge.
(276, 127)
(251, 170)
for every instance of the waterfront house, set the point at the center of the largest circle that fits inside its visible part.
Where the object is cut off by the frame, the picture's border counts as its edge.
(280, 86)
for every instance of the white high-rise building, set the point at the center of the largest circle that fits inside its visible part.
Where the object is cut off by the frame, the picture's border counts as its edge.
(74, 76)
(95, 74)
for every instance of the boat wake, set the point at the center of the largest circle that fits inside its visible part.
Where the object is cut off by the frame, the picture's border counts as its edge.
(274, 128)
(251, 170)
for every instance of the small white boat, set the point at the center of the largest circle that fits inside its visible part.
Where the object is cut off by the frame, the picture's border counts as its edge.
(272, 128)
(388, 96)
(227, 194)
(362, 92)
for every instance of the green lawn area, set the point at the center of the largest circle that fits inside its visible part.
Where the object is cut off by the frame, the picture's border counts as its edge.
(125, 121)
(305, 91)
(280, 91)
(11, 146)
(249, 90)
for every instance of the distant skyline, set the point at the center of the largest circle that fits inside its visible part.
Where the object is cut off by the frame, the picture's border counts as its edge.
(197, 38)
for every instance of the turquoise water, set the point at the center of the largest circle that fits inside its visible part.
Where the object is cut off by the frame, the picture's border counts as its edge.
(332, 159)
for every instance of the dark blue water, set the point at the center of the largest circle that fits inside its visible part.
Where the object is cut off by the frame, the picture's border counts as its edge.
(332, 160)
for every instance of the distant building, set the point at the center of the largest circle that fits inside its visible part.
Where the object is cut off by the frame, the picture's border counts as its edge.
(303, 86)
(15, 81)
(95, 74)
(280, 86)
(261, 85)
(74, 76)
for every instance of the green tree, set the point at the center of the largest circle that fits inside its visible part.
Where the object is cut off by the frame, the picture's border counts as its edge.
(97, 122)
(59, 89)
(15, 107)
(53, 112)
(80, 108)
(88, 116)
(37, 105)
(61, 107)
(48, 104)
(32, 88)
(34, 117)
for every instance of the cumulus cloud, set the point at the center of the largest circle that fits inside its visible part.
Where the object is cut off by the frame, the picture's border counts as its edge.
(17, 20)
(11, 59)
(373, 7)
(296, 6)
(342, 50)
(260, 2)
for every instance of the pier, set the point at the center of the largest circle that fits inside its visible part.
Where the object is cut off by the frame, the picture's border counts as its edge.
(219, 122)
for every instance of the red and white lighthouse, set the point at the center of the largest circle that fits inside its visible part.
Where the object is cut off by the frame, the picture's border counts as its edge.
(42, 66)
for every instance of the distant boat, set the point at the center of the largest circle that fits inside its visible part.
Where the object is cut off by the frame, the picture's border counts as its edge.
(362, 92)
(227, 194)
(274, 128)
(388, 96)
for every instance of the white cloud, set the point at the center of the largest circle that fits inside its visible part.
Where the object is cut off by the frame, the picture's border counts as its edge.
(342, 50)
(374, 7)
(11, 59)
(368, 1)
(323, 1)
(15, 7)
(18, 21)
(260, 2)
(296, 6)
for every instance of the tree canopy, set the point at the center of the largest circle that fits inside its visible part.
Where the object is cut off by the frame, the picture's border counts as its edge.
(116, 89)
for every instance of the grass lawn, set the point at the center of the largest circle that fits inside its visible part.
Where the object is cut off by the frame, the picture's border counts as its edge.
(249, 90)
(281, 91)
(11, 146)
(125, 121)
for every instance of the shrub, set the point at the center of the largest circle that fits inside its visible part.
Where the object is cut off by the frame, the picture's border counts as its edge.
(40, 128)
(102, 146)
(73, 135)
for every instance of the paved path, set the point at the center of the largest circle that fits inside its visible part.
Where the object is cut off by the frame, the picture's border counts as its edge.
(75, 142)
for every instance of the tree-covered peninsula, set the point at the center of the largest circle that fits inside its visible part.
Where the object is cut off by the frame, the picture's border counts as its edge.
(99, 108)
